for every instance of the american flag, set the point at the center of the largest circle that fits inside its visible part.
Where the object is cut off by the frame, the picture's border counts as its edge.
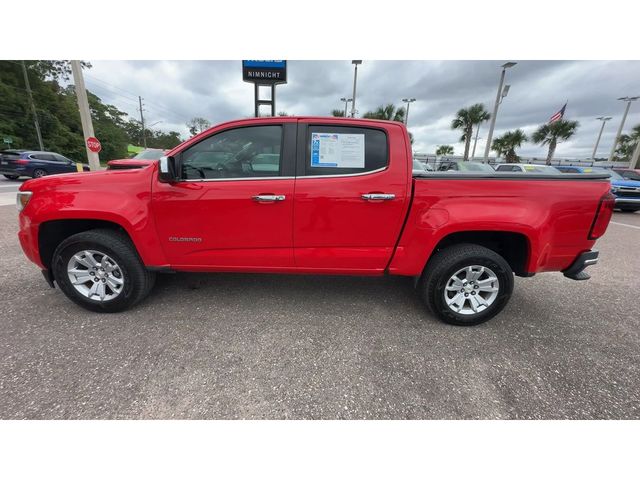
(558, 115)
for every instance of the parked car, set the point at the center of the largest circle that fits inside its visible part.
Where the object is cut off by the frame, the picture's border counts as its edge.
(526, 168)
(142, 159)
(629, 173)
(31, 163)
(342, 201)
(462, 166)
(627, 192)
(420, 167)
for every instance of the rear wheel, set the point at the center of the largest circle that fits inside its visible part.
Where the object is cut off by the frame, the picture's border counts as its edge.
(101, 271)
(466, 284)
(12, 177)
(38, 172)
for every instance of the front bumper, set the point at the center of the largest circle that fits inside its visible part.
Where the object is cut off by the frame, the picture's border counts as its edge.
(627, 202)
(584, 260)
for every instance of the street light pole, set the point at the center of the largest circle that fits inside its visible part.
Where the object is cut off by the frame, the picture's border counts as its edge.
(475, 142)
(603, 120)
(85, 113)
(355, 79)
(487, 148)
(624, 117)
(408, 101)
(346, 105)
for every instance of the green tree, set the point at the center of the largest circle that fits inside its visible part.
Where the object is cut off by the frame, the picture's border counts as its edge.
(553, 133)
(465, 120)
(506, 144)
(444, 150)
(337, 113)
(627, 145)
(386, 112)
(197, 125)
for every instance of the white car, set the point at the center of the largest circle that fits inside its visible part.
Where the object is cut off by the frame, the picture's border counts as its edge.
(526, 168)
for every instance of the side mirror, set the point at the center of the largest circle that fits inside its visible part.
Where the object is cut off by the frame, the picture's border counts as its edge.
(168, 170)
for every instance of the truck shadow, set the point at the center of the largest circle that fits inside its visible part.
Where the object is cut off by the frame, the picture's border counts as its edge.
(319, 294)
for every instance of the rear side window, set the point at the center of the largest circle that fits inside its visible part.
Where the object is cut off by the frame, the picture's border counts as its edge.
(334, 150)
(507, 168)
(43, 156)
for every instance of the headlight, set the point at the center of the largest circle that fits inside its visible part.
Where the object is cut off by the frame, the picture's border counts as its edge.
(22, 198)
(614, 189)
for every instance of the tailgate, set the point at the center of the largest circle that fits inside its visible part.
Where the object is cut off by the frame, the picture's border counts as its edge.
(8, 161)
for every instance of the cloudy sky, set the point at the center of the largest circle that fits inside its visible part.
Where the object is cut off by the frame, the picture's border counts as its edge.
(176, 91)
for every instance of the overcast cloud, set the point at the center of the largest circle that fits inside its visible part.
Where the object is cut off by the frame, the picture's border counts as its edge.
(175, 91)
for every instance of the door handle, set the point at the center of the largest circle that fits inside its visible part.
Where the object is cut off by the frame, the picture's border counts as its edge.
(378, 196)
(269, 198)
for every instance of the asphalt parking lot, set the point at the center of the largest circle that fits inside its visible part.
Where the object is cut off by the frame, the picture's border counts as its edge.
(226, 346)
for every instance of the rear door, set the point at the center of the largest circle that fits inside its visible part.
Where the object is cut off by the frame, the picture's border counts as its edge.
(352, 192)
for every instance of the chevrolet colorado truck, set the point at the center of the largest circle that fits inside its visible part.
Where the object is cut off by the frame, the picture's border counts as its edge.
(310, 196)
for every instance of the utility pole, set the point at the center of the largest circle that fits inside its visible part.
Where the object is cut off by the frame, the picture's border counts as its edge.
(355, 79)
(595, 148)
(85, 113)
(624, 117)
(33, 106)
(487, 148)
(144, 134)
(408, 101)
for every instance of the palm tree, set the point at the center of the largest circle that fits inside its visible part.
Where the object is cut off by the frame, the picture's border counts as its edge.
(465, 120)
(552, 133)
(506, 144)
(444, 150)
(338, 113)
(387, 112)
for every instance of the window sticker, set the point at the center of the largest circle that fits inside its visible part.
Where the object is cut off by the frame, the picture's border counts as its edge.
(337, 150)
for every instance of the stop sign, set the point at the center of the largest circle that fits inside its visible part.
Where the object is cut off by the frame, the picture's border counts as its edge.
(94, 144)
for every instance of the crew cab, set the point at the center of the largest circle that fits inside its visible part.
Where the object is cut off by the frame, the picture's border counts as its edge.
(310, 195)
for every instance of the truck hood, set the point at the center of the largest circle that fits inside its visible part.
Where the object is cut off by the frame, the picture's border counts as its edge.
(625, 183)
(100, 180)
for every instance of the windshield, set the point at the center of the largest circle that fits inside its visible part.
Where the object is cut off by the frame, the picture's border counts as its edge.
(149, 154)
(418, 166)
(474, 167)
(541, 169)
(608, 171)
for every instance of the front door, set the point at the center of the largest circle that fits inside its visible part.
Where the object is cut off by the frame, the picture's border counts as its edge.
(233, 207)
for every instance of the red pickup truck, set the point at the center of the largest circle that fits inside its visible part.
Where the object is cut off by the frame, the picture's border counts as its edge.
(313, 196)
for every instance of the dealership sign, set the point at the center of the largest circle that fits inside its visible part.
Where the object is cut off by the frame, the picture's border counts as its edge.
(264, 72)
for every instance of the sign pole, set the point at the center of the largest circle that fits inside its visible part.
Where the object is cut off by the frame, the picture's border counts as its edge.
(85, 114)
(264, 73)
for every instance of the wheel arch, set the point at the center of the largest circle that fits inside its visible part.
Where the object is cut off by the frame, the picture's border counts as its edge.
(514, 247)
(51, 233)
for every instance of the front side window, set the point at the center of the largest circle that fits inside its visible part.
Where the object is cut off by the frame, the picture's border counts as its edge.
(336, 150)
(239, 153)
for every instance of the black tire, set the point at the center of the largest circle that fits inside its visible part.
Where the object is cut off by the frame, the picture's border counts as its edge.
(12, 177)
(630, 209)
(138, 281)
(445, 263)
(39, 172)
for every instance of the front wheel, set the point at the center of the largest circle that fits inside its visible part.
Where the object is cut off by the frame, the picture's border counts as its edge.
(630, 209)
(101, 271)
(466, 284)
(38, 172)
